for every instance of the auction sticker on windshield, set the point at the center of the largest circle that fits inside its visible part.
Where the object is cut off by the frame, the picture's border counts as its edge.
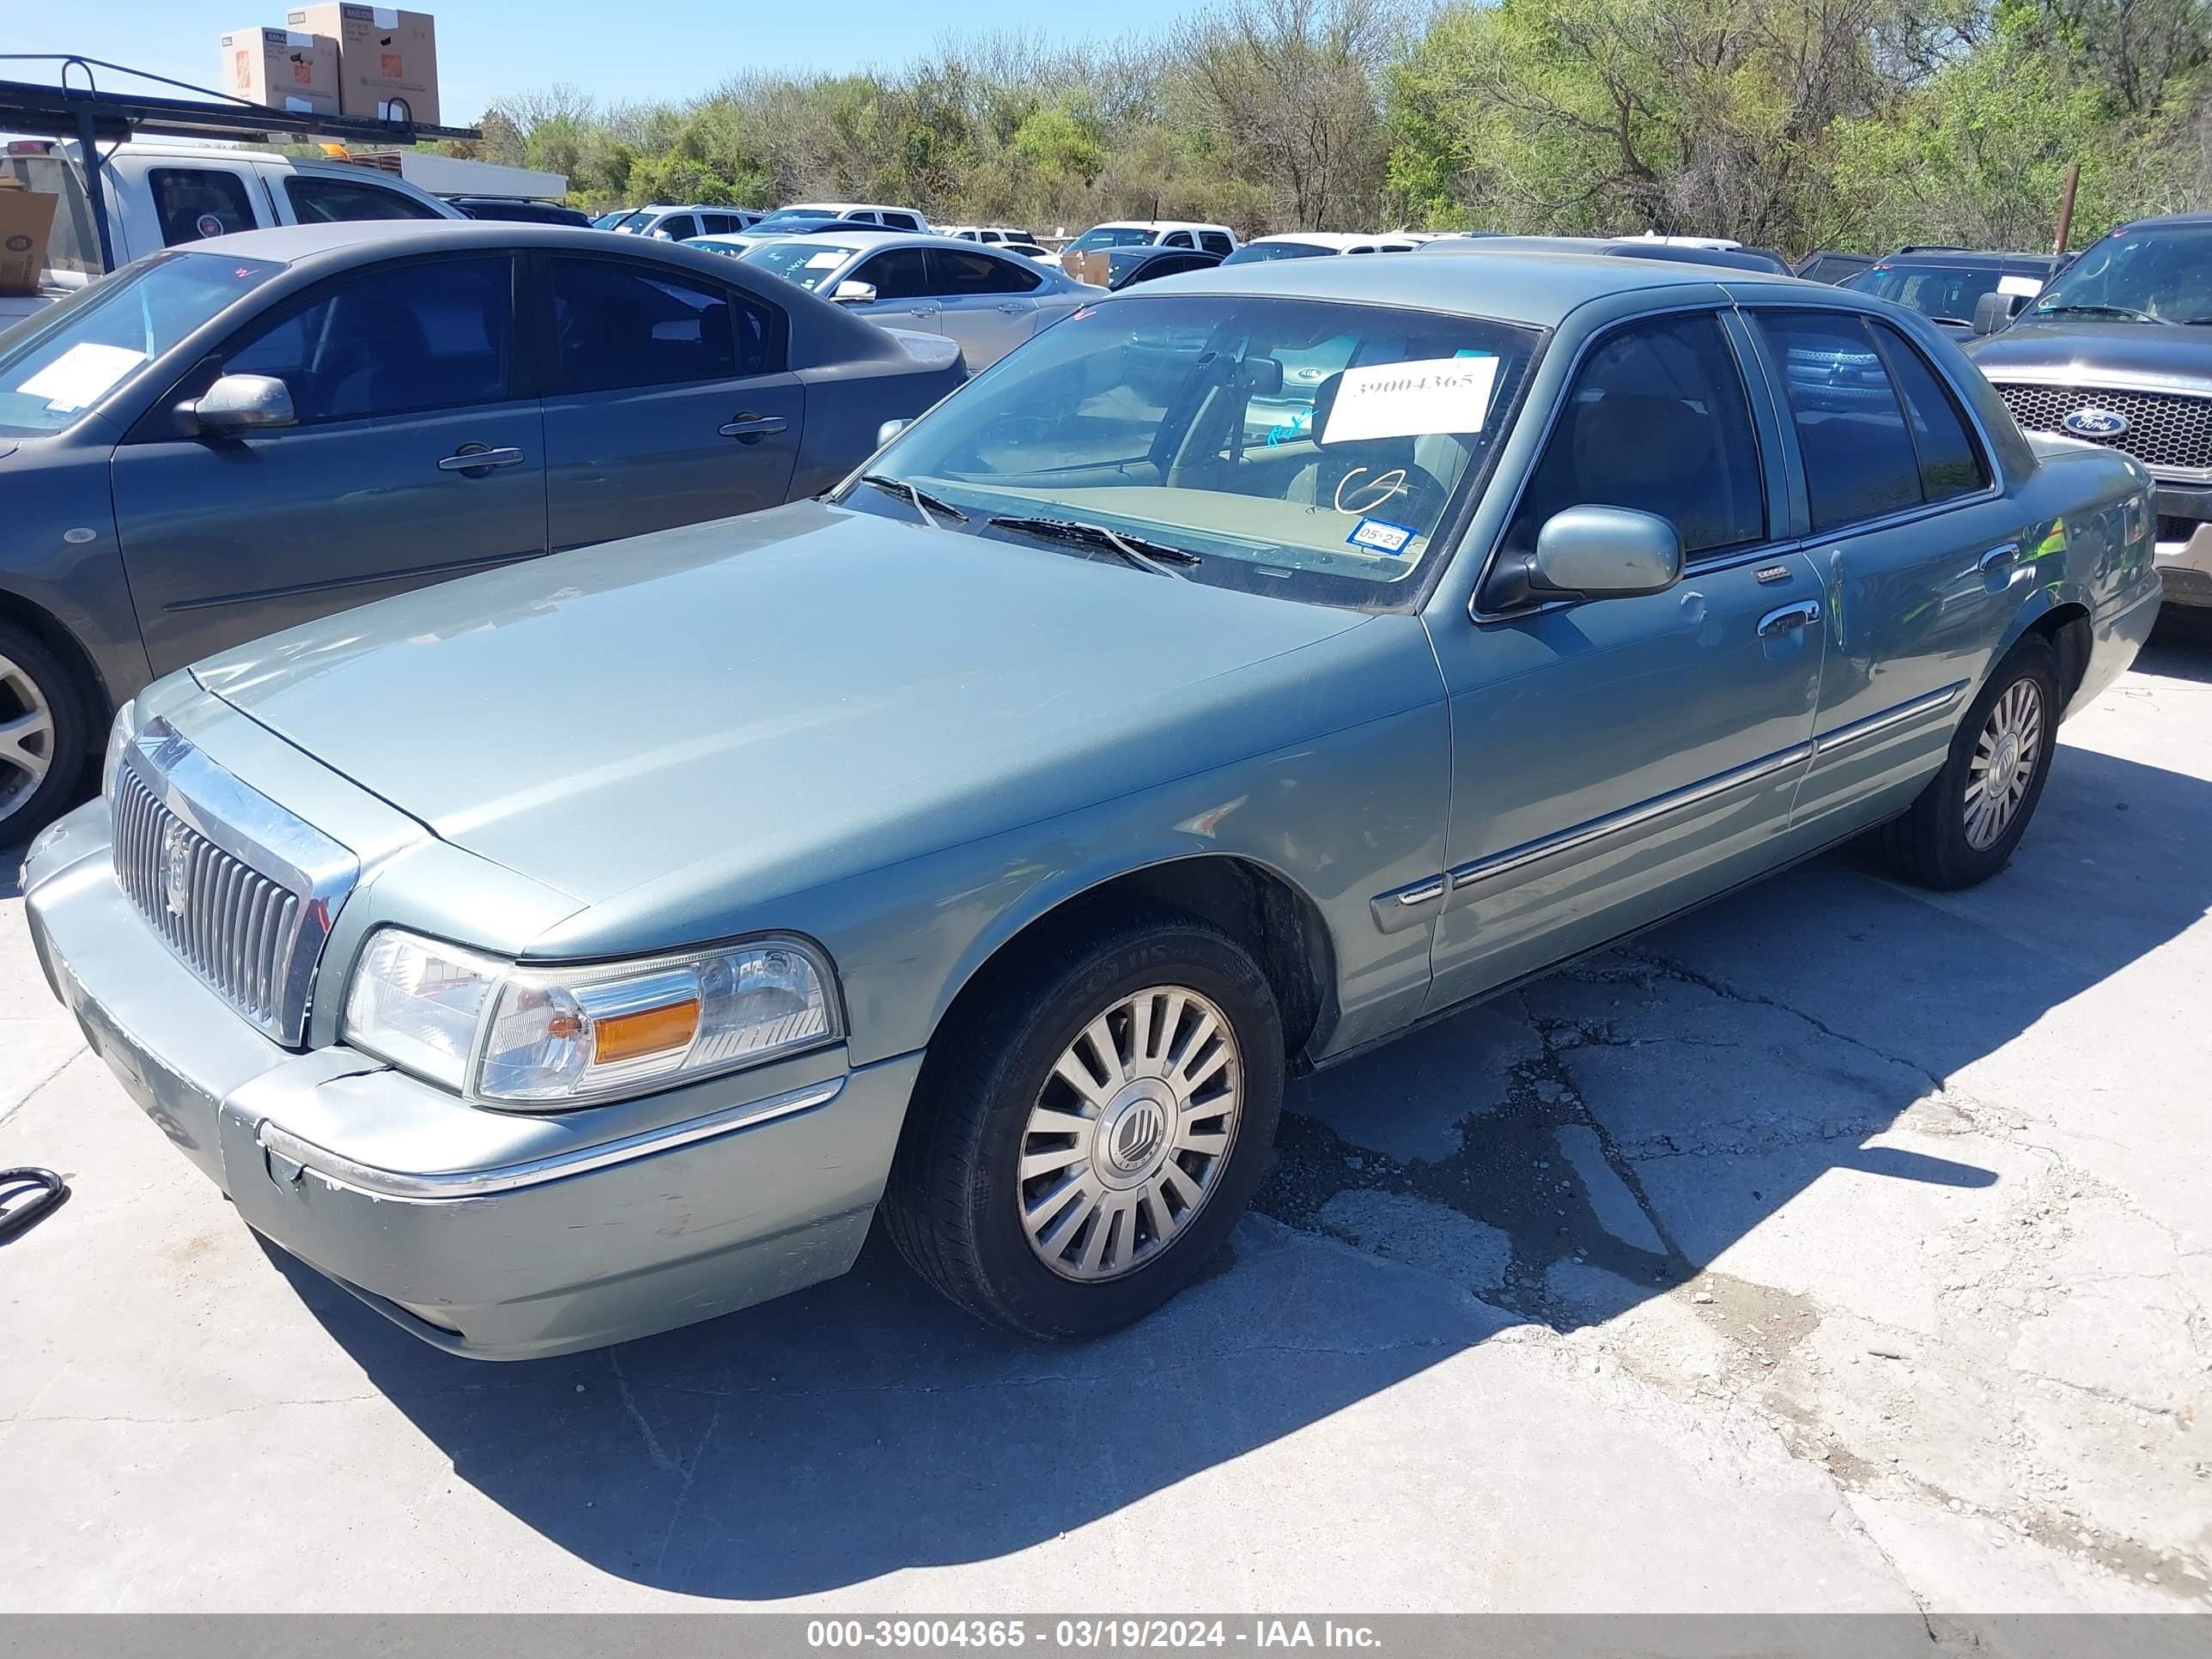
(1412, 400)
(81, 374)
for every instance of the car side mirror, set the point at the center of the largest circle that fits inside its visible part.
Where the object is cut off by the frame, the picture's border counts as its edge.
(1993, 311)
(1591, 552)
(242, 403)
(850, 293)
(889, 430)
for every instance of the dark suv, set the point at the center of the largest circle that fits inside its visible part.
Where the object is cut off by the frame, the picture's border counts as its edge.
(2118, 351)
(1948, 284)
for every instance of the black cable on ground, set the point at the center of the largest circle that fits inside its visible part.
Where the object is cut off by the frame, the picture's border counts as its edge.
(19, 1213)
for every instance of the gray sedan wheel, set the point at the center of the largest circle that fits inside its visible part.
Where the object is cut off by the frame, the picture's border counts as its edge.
(1085, 1138)
(42, 736)
(1967, 822)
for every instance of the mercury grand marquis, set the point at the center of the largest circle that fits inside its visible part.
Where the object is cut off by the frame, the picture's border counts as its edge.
(1251, 667)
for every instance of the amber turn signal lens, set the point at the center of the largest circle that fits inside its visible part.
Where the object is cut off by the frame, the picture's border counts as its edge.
(649, 1031)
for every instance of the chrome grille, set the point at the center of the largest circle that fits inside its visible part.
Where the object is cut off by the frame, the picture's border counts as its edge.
(2165, 429)
(245, 901)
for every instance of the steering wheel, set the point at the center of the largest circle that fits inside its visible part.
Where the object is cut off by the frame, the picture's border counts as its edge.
(1410, 494)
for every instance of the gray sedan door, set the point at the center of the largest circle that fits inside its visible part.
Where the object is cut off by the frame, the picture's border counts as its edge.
(669, 403)
(988, 302)
(418, 453)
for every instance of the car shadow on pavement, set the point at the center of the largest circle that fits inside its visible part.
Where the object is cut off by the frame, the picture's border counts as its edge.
(1556, 1157)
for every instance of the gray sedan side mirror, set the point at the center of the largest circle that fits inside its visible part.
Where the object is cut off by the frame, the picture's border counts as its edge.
(1590, 552)
(889, 430)
(242, 403)
(1992, 312)
(850, 293)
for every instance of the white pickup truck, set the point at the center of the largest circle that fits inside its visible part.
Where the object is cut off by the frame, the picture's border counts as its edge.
(160, 195)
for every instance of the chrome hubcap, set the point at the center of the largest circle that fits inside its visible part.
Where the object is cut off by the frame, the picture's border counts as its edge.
(2003, 764)
(1130, 1133)
(27, 738)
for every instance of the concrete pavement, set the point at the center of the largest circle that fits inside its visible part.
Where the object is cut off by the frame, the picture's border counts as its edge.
(1843, 1247)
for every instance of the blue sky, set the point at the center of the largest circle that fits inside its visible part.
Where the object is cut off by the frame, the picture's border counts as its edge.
(662, 49)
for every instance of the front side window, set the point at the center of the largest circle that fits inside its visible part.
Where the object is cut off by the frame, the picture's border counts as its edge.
(1178, 238)
(193, 203)
(1658, 421)
(397, 339)
(62, 361)
(2138, 274)
(959, 272)
(1307, 448)
(319, 201)
(898, 273)
(677, 226)
(618, 325)
(1858, 456)
(1950, 460)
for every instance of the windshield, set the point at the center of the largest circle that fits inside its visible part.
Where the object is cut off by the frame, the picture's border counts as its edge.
(809, 265)
(783, 218)
(1947, 293)
(1253, 253)
(59, 362)
(2146, 273)
(613, 218)
(1299, 446)
(1100, 236)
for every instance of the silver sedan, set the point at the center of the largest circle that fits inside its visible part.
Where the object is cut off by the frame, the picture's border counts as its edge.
(990, 301)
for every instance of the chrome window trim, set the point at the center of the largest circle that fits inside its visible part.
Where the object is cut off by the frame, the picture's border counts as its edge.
(265, 837)
(1475, 872)
(445, 1186)
(1874, 725)
(1717, 558)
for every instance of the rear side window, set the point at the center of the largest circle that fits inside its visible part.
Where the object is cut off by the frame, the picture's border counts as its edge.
(397, 340)
(618, 325)
(1658, 421)
(194, 203)
(902, 221)
(1215, 241)
(319, 201)
(1951, 461)
(1859, 458)
(959, 272)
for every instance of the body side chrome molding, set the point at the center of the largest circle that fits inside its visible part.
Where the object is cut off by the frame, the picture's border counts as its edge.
(1874, 725)
(307, 1157)
(1465, 876)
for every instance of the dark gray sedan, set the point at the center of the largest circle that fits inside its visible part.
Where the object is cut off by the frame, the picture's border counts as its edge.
(221, 441)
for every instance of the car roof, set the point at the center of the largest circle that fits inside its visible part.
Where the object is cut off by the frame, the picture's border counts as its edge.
(375, 238)
(2175, 221)
(1538, 287)
(861, 238)
(1958, 256)
(1337, 239)
(1157, 224)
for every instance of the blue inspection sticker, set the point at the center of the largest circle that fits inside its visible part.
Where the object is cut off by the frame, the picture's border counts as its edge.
(1380, 536)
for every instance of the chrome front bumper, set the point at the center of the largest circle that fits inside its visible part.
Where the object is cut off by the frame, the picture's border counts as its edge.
(501, 1236)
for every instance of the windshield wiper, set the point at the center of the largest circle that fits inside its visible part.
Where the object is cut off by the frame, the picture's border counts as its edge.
(1141, 552)
(924, 502)
(2127, 312)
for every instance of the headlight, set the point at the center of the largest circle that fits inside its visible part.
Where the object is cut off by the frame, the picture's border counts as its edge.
(506, 1035)
(126, 723)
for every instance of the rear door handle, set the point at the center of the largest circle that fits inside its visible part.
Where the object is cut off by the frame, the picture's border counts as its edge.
(1997, 557)
(1013, 307)
(751, 428)
(1803, 614)
(479, 458)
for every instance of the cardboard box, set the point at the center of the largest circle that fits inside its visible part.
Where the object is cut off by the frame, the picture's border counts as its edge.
(281, 69)
(387, 59)
(27, 221)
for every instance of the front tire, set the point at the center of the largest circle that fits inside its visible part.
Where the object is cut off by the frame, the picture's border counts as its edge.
(1092, 1133)
(1967, 822)
(44, 735)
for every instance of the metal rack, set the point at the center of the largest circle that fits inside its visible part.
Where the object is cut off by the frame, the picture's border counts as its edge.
(93, 117)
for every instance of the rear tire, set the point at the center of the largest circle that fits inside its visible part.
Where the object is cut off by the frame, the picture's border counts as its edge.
(44, 733)
(1088, 1139)
(1967, 822)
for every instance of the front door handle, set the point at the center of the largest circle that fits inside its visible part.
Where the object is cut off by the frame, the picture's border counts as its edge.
(479, 458)
(1013, 307)
(751, 428)
(1997, 557)
(1803, 614)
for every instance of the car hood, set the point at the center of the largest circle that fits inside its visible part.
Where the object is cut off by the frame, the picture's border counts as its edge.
(2085, 349)
(787, 696)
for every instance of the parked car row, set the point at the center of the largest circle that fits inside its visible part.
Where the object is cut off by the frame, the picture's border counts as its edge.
(1252, 665)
